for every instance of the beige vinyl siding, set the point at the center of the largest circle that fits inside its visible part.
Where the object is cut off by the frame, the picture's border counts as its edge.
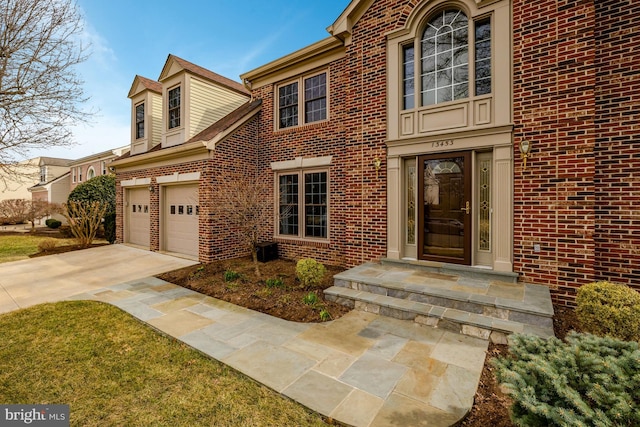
(209, 103)
(156, 119)
(60, 190)
(16, 187)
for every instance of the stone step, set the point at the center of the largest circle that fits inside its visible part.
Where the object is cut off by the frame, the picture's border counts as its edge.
(451, 319)
(468, 304)
(453, 269)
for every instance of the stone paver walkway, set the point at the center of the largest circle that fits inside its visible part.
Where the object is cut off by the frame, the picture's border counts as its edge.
(362, 369)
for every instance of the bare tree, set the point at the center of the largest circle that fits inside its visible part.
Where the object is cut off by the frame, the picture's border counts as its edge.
(40, 92)
(14, 211)
(39, 209)
(242, 203)
(20, 210)
(84, 220)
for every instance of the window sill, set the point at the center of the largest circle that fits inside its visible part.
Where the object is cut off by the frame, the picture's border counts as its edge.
(325, 243)
(306, 126)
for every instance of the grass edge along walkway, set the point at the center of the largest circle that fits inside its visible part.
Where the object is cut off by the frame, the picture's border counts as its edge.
(114, 370)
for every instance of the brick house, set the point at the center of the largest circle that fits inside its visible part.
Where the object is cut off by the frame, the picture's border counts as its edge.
(190, 129)
(497, 134)
(97, 164)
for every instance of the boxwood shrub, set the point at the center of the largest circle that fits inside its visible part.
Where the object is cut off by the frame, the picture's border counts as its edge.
(605, 308)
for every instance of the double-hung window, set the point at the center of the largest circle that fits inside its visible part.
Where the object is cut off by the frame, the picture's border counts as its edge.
(174, 107)
(140, 121)
(302, 101)
(453, 60)
(303, 206)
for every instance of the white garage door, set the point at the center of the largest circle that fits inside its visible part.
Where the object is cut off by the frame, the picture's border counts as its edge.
(181, 211)
(137, 218)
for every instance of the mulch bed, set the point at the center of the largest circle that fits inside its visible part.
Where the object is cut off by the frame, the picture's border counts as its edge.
(252, 292)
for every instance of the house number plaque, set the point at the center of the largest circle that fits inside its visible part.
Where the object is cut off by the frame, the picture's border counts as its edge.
(443, 143)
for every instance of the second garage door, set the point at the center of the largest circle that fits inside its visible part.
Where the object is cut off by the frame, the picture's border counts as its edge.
(181, 212)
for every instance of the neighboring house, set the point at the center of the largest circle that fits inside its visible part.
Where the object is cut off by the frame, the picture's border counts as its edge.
(53, 191)
(28, 173)
(190, 129)
(85, 168)
(53, 183)
(497, 134)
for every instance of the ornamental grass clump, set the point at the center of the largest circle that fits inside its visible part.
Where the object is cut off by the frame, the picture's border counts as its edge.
(605, 308)
(585, 381)
(310, 272)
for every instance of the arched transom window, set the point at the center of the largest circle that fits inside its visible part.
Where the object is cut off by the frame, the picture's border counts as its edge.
(452, 52)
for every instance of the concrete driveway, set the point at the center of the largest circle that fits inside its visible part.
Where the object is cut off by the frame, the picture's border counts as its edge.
(56, 277)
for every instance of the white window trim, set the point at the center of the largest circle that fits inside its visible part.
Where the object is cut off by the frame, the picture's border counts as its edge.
(301, 101)
(301, 220)
(73, 175)
(135, 121)
(104, 167)
(79, 173)
(172, 129)
(89, 170)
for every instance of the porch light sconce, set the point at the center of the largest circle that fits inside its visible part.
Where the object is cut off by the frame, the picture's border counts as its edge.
(525, 149)
(376, 163)
(151, 189)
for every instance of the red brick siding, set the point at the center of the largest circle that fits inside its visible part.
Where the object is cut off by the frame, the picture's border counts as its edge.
(97, 167)
(234, 156)
(554, 108)
(617, 174)
(355, 135)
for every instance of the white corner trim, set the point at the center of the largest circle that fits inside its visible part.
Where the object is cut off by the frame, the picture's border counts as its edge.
(301, 162)
(178, 177)
(135, 182)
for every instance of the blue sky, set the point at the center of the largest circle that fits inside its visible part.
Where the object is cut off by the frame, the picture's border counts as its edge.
(225, 36)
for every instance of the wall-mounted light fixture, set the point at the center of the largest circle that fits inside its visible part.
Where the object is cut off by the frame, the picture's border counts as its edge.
(377, 163)
(525, 149)
(152, 189)
(112, 168)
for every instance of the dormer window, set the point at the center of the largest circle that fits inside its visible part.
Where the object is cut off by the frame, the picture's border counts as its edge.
(140, 120)
(453, 52)
(174, 107)
(43, 174)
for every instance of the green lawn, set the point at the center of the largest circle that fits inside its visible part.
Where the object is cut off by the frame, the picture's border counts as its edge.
(14, 248)
(113, 370)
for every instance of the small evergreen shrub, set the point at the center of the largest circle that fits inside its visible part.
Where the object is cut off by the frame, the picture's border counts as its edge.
(310, 299)
(110, 227)
(605, 308)
(325, 315)
(310, 272)
(230, 276)
(587, 381)
(53, 223)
